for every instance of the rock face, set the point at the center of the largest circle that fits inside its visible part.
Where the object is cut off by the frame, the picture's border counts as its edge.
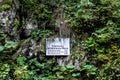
(1, 0)
(7, 17)
(9, 24)
(29, 27)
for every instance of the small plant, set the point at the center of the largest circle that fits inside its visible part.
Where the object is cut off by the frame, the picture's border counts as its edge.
(5, 7)
(11, 44)
(21, 60)
(91, 42)
(41, 33)
(22, 72)
(4, 71)
(89, 70)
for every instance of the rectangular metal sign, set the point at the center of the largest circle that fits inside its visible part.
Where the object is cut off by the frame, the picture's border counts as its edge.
(57, 46)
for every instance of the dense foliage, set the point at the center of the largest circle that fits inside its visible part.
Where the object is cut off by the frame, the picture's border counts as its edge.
(96, 26)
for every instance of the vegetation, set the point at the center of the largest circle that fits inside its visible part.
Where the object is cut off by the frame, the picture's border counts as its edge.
(96, 26)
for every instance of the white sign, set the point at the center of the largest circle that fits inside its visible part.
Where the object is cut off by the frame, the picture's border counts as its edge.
(57, 46)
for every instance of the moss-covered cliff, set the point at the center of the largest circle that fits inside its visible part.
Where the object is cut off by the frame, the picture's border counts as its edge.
(92, 26)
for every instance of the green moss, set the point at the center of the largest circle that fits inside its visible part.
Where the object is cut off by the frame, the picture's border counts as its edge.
(17, 22)
(5, 7)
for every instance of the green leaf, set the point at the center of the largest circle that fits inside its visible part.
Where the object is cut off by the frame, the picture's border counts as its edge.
(21, 60)
(100, 49)
(70, 66)
(90, 68)
(75, 74)
(11, 44)
(1, 48)
(63, 68)
(61, 77)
